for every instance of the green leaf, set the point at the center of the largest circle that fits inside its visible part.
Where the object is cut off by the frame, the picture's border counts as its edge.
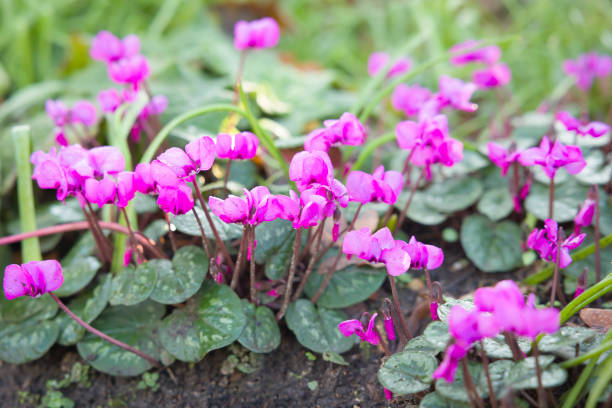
(77, 274)
(144, 203)
(419, 211)
(499, 372)
(156, 229)
(212, 319)
(334, 358)
(26, 341)
(134, 284)
(261, 333)
(435, 400)
(134, 325)
(316, 328)
(277, 265)
(449, 302)
(436, 333)
(493, 247)
(453, 194)
(347, 286)
(523, 374)
(27, 308)
(456, 390)
(187, 224)
(496, 203)
(496, 347)
(180, 279)
(421, 344)
(407, 372)
(564, 341)
(88, 306)
(244, 173)
(568, 198)
(270, 238)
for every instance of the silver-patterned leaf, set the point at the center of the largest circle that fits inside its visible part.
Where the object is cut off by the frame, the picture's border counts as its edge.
(180, 279)
(77, 274)
(496, 203)
(261, 333)
(27, 308)
(210, 320)
(419, 211)
(435, 400)
(419, 343)
(26, 341)
(456, 390)
(407, 372)
(271, 236)
(134, 284)
(436, 333)
(187, 224)
(523, 374)
(568, 198)
(496, 347)
(453, 194)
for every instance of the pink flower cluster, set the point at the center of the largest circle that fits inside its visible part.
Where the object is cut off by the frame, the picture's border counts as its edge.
(32, 279)
(82, 112)
(553, 156)
(587, 67)
(384, 186)
(379, 60)
(495, 74)
(594, 129)
(429, 142)
(347, 130)
(123, 60)
(546, 241)
(262, 33)
(498, 309)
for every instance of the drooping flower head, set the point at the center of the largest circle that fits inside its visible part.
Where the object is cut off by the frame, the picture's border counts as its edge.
(131, 70)
(378, 60)
(422, 255)
(501, 156)
(544, 241)
(377, 247)
(470, 52)
(238, 146)
(257, 206)
(347, 130)
(308, 168)
(553, 156)
(369, 335)
(262, 33)
(584, 217)
(409, 99)
(108, 48)
(587, 67)
(33, 279)
(493, 76)
(382, 186)
(594, 129)
(456, 93)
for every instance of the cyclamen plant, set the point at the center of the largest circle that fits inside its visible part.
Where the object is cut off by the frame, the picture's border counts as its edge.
(316, 233)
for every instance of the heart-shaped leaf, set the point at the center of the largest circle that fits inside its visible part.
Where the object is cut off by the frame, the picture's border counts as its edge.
(568, 198)
(523, 374)
(212, 319)
(496, 203)
(88, 306)
(134, 284)
(27, 308)
(187, 224)
(493, 247)
(436, 333)
(407, 372)
(316, 328)
(134, 325)
(347, 286)
(180, 279)
(278, 263)
(456, 390)
(496, 347)
(270, 237)
(435, 400)
(261, 333)
(419, 211)
(453, 194)
(499, 372)
(77, 274)
(445, 308)
(26, 341)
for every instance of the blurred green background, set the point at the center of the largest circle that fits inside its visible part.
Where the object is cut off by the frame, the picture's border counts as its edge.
(316, 72)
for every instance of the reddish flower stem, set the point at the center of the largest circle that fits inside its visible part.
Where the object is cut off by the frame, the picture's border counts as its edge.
(240, 259)
(332, 269)
(410, 197)
(405, 333)
(252, 269)
(227, 174)
(311, 263)
(468, 381)
(510, 338)
(220, 242)
(106, 337)
(170, 232)
(541, 393)
(289, 284)
(383, 340)
(553, 291)
(485, 366)
(103, 245)
(239, 72)
(551, 197)
(597, 234)
(204, 239)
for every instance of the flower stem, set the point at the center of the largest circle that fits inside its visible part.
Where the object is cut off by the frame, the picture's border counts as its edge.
(311, 263)
(472, 393)
(510, 338)
(170, 232)
(485, 366)
(240, 259)
(551, 197)
(239, 72)
(288, 285)
(106, 337)
(597, 249)
(252, 269)
(383, 340)
(204, 240)
(332, 269)
(398, 309)
(227, 174)
(541, 393)
(555, 283)
(220, 242)
(410, 197)
(103, 246)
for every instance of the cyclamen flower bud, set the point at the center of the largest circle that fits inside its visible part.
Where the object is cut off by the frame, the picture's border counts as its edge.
(581, 283)
(263, 33)
(388, 394)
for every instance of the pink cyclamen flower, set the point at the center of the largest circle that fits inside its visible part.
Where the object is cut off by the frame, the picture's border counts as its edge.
(238, 146)
(176, 199)
(257, 206)
(469, 52)
(544, 241)
(388, 394)
(453, 355)
(581, 283)
(132, 70)
(57, 111)
(553, 156)
(492, 76)
(100, 192)
(347, 130)
(143, 181)
(501, 156)
(389, 328)
(382, 186)
(179, 162)
(307, 168)
(110, 100)
(33, 278)
(378, 60)
(202, 152)
(378, 247)
(350, 327)
(587, 67)
(262, 33)
(584, 218)
(409, 99)
(106, 160)
(456, 93)
(108, 48)
(83, 112)
(422, 255)
(433, 310)
(594, 129)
